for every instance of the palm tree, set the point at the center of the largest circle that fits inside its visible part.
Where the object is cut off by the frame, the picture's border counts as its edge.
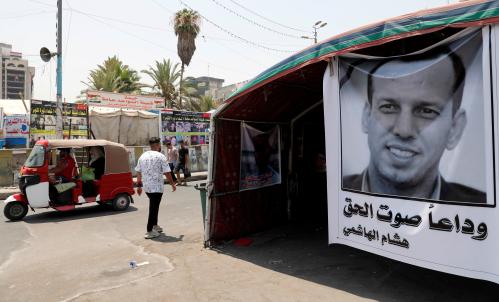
(203, 103)
(186, 27)
(114, 76)
(165, 76)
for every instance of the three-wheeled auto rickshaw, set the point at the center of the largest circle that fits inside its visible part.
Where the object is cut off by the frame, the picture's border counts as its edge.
(41, 189)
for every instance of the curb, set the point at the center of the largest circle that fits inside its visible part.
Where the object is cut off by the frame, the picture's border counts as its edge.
(4, 193)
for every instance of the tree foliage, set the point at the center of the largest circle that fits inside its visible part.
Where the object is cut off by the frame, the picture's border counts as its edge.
(114, 76)
(202, 103)
(186, 24)
(166, 76)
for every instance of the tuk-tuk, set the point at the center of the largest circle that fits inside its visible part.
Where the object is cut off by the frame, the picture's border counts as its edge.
(41, 189)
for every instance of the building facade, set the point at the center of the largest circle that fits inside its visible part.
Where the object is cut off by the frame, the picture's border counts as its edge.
(222, 93)
(205, 85)
(16, 76)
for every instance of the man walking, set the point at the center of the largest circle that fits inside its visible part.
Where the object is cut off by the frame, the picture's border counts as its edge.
(172, 158)
(183, 163)
(151, 167)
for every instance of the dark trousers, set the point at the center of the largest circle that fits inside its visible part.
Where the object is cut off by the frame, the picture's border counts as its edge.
(172, 168)
(154, 201)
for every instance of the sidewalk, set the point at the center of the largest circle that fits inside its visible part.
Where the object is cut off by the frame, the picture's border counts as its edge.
(7, 191)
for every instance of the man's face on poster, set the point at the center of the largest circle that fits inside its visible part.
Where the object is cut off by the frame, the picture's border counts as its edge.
(263, 151)
(410, 121)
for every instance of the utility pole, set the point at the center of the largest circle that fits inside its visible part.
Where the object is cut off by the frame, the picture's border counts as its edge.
(58, 111)
(317, 25)
(46, 55)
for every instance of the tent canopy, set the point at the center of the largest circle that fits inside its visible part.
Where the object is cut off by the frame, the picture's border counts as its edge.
(116, 154)
(300, 72)
(11, 107)
(287, 89)
(128, 126)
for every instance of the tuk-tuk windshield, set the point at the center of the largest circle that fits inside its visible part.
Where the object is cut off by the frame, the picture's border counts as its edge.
(36, 157)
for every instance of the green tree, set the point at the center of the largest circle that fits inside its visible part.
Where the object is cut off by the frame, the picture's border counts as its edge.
(186, 26)
(165, 76)
(114, 76)
(201, 103)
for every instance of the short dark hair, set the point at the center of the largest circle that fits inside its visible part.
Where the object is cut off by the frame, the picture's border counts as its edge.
(66, 150)
(457, 64)
(181, 141)
(154, 140)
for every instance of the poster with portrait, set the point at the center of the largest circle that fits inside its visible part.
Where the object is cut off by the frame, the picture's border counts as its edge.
(411, 140)
(190, 127)
(260, 157)
(43, 120)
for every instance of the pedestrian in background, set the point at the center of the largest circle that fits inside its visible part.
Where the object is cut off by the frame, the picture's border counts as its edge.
(151, 167)
(183, 163)
(172, 158)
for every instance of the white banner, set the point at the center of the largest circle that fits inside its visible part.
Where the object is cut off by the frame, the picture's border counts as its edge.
(412, 156)
(120, 100)
(16, 125)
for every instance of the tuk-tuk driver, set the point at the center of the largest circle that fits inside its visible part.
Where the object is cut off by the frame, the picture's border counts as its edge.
(65, 167)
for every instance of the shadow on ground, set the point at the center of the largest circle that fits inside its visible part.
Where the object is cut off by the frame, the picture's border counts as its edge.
(166, 238)
(302, 251)
(84, 212)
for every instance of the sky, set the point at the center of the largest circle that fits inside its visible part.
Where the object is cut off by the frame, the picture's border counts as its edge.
(238, 39)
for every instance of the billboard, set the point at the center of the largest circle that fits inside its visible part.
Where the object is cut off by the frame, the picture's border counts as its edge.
(16, 125)
(125, 101)
(412, 155)
(191, 127)
(43, 120)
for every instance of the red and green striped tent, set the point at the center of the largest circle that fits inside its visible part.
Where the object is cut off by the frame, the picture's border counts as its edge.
(290, 87)
(464, 14)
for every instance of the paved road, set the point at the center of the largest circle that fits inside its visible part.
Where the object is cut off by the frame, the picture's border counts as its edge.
(83, 256)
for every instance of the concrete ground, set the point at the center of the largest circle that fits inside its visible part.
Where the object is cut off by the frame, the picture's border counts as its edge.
(83, 255)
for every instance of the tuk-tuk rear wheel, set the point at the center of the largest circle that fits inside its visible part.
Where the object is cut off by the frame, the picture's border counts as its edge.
(15, 210)
(121, 202)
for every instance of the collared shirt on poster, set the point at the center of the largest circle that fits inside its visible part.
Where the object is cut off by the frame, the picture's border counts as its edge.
(366, 187)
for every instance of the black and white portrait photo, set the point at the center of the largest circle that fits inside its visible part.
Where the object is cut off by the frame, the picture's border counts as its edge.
(414, 126)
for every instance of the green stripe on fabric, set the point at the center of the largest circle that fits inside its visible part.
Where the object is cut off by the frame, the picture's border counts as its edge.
(420, 25)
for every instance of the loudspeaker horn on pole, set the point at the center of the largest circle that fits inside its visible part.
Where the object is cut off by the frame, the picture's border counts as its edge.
(45, 54)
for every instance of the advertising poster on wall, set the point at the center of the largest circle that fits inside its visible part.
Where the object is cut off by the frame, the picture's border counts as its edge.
(412, 141)
(191, 127)
(43, 120)
(16, 126)
(260, 157)
(198, 156)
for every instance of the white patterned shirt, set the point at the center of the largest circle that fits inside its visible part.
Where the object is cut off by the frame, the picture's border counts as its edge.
(152, 165)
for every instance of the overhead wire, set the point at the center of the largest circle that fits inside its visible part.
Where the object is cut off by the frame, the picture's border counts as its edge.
(154, 43)
(107, 18)
(97, 18)
(238, 41)
(66, 43)
(254, 22)
(267, 19)
(234, 35)
(26, 15)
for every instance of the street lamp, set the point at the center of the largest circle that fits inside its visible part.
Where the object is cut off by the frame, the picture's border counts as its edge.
(316, 26)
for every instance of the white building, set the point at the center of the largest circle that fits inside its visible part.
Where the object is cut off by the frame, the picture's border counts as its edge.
(15, 74)
(224, 92)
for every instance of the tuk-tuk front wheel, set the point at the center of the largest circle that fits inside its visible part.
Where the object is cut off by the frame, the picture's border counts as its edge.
(121, 202)
(15, 210)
